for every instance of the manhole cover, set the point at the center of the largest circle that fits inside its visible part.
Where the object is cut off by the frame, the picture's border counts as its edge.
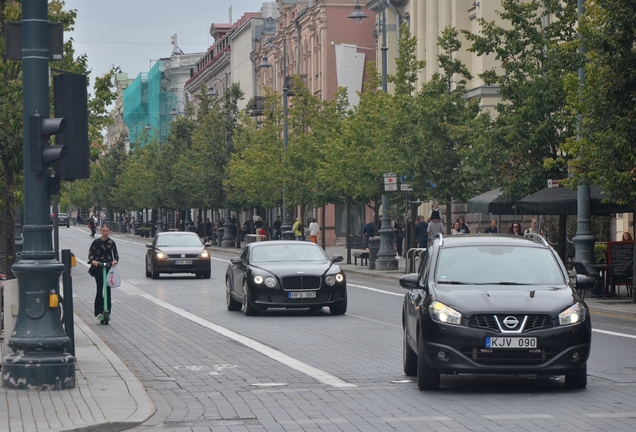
(211, 423)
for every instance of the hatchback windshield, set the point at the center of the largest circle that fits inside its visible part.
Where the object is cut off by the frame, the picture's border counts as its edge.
(276, 253)
(178, 240)
(505, 265)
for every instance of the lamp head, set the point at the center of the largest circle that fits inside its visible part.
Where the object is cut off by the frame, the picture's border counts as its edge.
(265, 63)
(211, 92)
(147, 127)
(357, 15)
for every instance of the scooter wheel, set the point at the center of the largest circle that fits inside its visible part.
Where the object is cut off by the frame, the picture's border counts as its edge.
(106, 318)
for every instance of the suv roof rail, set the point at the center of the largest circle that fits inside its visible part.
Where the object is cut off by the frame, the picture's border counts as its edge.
(536, 237)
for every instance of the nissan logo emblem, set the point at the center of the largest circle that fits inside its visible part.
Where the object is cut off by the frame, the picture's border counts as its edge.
(511, 322)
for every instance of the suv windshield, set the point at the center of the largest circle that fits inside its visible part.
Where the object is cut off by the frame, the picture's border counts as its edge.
(505, 265)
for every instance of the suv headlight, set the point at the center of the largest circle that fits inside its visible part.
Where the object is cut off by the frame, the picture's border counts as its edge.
(573, 315)
(332, 279)
(162, 255)
(204, 254)
(444, 314)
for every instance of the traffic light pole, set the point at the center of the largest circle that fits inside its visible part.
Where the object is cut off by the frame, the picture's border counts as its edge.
(39, 360)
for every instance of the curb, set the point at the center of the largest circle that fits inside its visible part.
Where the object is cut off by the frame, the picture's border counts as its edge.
(145, 406)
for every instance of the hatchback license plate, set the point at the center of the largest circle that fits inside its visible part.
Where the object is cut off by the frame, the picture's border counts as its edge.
(183, 262)
(302, 294)
(511, 342)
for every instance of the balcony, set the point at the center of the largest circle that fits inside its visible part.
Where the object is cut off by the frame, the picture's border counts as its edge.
(257, 106)
(290, 83)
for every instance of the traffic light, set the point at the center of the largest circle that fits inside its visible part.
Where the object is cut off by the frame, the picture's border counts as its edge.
(40, 131)
(71, 102)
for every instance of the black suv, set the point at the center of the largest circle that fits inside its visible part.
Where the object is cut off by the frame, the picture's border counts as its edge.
(494, 304)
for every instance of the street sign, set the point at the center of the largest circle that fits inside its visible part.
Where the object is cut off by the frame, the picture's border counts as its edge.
(390, 187)
(390, 180)
(406, 187)
(390, 174)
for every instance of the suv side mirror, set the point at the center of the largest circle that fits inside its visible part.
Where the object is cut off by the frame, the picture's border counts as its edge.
(410, 281)
(235, 260)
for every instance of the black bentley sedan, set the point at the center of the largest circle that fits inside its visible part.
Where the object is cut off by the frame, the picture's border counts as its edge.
(285, 274)
(178, 252)
(494, 304)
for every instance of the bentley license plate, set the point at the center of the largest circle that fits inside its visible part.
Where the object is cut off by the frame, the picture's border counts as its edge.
(511, 342)
(183, 262)
(302, 294)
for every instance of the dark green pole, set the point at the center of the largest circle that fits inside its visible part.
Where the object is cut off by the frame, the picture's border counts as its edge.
(39, 360)
(584, 239)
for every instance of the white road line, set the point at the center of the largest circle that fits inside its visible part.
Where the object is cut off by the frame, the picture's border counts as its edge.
(374, 289)
(220, 259)
(614, 333)
(278, 356)
(518, 416)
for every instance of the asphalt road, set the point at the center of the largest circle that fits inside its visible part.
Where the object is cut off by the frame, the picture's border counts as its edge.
(210, 369)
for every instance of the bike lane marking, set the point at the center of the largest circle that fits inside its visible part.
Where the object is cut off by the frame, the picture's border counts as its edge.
(317, 374)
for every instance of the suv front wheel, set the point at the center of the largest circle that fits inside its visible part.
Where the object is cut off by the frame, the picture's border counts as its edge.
(427, 377)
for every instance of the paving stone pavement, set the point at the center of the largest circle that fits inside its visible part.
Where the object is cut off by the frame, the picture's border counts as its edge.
(109, 397)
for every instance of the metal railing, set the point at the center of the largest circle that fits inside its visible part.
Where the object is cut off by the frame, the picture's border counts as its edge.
(412, 256)
(251, 238)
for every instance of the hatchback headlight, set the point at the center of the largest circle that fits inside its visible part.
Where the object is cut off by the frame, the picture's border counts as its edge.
(573, 315)
(162, 255)
(204, 254)
(444, 314)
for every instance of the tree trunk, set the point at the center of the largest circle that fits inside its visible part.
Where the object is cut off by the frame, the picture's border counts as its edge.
(323, 237)
(449, 214)
(348, 231)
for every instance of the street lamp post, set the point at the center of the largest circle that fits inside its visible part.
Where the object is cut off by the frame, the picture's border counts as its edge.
(286, 225)
(584, 238)
(386, 256)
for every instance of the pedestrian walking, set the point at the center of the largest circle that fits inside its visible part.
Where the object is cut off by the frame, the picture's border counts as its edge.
(298, 229)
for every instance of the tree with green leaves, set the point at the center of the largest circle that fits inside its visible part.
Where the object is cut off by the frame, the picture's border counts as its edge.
(605, 151)
(436, 127)
(536, 45)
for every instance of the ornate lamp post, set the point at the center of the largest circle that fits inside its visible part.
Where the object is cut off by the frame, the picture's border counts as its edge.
(286, 225)
(386, 256)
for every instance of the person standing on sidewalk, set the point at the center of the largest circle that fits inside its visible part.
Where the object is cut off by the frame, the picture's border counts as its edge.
(103, 249)
(314, 230)
(298, 229)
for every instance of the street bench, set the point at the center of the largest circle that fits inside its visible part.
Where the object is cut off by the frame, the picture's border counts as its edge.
(363, 256)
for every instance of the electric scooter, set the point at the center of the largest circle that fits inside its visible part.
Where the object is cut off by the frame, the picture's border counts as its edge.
(106, 314)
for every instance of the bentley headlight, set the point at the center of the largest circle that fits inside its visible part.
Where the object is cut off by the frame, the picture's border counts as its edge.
(572, 315)
(258, 279)
(270, 282)
(162, 255)
(332, 279)
(444, 314)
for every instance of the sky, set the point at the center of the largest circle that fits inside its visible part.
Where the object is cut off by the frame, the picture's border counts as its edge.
(132, 34)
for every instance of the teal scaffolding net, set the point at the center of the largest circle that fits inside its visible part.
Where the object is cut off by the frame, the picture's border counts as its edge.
(147, 106)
